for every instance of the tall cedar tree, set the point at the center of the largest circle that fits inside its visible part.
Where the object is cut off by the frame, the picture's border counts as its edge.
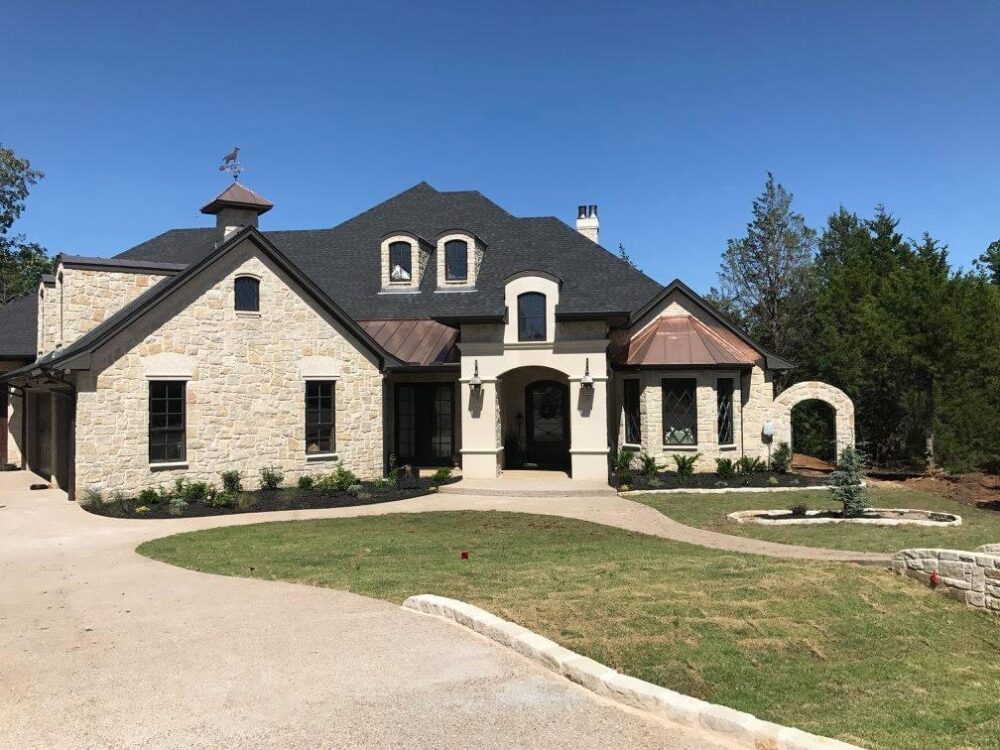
(765, 275)
(22, 263)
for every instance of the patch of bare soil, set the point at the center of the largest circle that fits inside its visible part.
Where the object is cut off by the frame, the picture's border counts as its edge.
(810, 466)
(975, 488)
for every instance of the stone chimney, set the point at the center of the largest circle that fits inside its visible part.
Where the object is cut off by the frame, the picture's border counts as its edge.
(587, 222)
(236, 207)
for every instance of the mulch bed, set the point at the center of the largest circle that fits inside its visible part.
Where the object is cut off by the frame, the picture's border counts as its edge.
(667, 480)
(262, 501)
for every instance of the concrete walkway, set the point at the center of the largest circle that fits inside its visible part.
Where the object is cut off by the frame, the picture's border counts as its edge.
(103, 648)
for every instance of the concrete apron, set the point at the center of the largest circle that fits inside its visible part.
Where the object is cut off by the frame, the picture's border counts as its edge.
(104, 648)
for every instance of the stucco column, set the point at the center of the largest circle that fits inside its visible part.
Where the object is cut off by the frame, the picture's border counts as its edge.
(481, 445)
(589, 429)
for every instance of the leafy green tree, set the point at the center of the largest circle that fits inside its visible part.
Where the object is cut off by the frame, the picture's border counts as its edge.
(21, 262)
(765, 275)
(988, 264)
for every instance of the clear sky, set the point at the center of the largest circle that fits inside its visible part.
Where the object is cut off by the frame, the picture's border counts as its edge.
(667, 115)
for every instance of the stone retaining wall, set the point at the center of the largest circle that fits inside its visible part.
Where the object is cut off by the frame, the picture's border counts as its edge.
(970, 577)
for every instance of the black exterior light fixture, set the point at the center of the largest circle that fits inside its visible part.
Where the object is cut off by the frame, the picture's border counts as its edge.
(475, 384)
(587, 382)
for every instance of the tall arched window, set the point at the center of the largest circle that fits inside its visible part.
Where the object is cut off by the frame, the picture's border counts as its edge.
(456, 260)
(531, 316)
(247, 294)
(400, 261)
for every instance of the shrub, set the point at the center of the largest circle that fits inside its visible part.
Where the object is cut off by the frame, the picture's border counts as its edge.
(338, 481)
(382, 484)
(232, 481)
(685, 466)
(223, 499)
(781, 459)
(148, 496)
(355, 489)
(772, 480)
(724, 468)
(648, 465)
(847, 480)
(178, 507)
(179, 485)
(91, 498)
(621, 465)
(440, 477)
(306, 482)
(142, 510)
(271, 478)
(748, 465)
(194, 491)
(800, 509)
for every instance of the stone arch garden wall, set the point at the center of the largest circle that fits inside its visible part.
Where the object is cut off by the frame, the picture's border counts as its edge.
(808, 391)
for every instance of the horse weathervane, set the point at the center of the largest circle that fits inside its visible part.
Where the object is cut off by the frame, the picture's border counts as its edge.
(230, 165)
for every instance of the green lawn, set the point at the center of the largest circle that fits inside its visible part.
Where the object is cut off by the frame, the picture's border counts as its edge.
(840, 650)
(709, 512)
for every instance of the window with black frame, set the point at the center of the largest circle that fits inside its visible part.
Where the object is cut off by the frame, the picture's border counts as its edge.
(456, 260)
(321, 417)
(531, 317)
(167, 417)
(633, 418)
(400, 261)
(680, 411)
(247, 291)
(724, 401)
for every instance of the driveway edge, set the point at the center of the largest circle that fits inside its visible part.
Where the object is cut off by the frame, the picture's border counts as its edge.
(741, 728)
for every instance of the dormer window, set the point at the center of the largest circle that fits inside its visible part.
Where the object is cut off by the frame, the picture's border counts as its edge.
(456, 260)
(531, 317)
(400, 262)
(247, 290)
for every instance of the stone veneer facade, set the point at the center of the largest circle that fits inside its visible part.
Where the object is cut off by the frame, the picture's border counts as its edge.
(87, 298)
(245, 376)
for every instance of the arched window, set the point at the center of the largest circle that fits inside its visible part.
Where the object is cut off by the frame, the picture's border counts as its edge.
(247, 294)
(456, 260)
(400, 261)
(531, 317)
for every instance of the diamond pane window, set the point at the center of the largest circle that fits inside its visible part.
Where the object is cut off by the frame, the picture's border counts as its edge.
(724, 401)
(680, 411)
(456, 260)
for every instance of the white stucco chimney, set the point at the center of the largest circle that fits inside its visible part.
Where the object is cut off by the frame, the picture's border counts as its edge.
(587, 222)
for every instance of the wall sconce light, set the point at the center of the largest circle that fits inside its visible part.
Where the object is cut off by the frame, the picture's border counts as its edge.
(768, 429)
(474, 382)
(587, 381)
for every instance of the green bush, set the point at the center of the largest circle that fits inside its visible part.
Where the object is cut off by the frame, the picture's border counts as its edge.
(781, 459)
(355, 489)
(178, 507)
(724, 468)
(800, 509)
(848, 483)
(648, 466)
(621, 465)
(91, 498)
(149, 496)
(747, 465)
(384, 484)
(306, 482)
(223, 499)
(197, 491)
(271, 478)
(773, 481)
(685, 466)
(338, 481)
(440, 477)
(232, 481)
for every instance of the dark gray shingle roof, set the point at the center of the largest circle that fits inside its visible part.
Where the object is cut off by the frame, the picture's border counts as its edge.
(19, 328)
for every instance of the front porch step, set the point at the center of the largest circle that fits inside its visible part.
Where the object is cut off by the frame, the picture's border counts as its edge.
(504, 487)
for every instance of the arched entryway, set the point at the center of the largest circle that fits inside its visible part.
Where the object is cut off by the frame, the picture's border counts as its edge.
(810, 391)
(535, 418)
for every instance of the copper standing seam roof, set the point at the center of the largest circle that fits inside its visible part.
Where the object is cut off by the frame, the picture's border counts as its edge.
(238, 196)
(683, 340)
(418, 342)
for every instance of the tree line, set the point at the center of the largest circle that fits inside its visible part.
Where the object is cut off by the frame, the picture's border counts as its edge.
(913, 341)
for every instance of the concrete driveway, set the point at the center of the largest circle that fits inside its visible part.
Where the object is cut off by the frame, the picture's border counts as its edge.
(103, 648)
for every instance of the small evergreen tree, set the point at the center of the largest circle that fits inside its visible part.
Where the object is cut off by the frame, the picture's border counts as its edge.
(848, 483)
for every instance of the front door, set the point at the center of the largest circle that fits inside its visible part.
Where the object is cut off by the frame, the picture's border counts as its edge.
(547, 428)
(425, 423)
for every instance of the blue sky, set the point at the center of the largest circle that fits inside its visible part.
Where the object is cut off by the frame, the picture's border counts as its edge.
(666, 115)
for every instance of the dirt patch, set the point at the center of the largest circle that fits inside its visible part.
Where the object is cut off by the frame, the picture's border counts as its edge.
(975, 489)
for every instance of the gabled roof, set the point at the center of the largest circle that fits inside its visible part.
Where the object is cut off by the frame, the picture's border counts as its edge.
(771, 360)
(683, 340)
(77, 354)
(238, 196)
(345, 261)
(19, 328)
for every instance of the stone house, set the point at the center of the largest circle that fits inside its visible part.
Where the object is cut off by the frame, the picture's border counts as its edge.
(434, 329)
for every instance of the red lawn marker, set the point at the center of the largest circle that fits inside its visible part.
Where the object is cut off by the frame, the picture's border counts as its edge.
(935, 579)
(465, 555)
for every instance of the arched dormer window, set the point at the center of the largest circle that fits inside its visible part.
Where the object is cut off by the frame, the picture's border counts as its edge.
(531, 317)
(247, 294)
(400, 261)
(456, 260)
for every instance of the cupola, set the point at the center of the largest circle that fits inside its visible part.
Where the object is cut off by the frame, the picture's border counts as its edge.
(237, 206)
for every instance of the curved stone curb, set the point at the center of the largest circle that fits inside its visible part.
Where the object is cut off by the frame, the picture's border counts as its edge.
(728, 490)
(735, 726)
(753, 516)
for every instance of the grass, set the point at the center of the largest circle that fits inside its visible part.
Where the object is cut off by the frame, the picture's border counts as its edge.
(709, 512)
(844, 651)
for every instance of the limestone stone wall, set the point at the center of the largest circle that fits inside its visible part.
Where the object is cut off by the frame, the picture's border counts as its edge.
(814, 390)
(245, 377)
(752, 399)
(88, 297)
(48, 318)
(972, 578)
